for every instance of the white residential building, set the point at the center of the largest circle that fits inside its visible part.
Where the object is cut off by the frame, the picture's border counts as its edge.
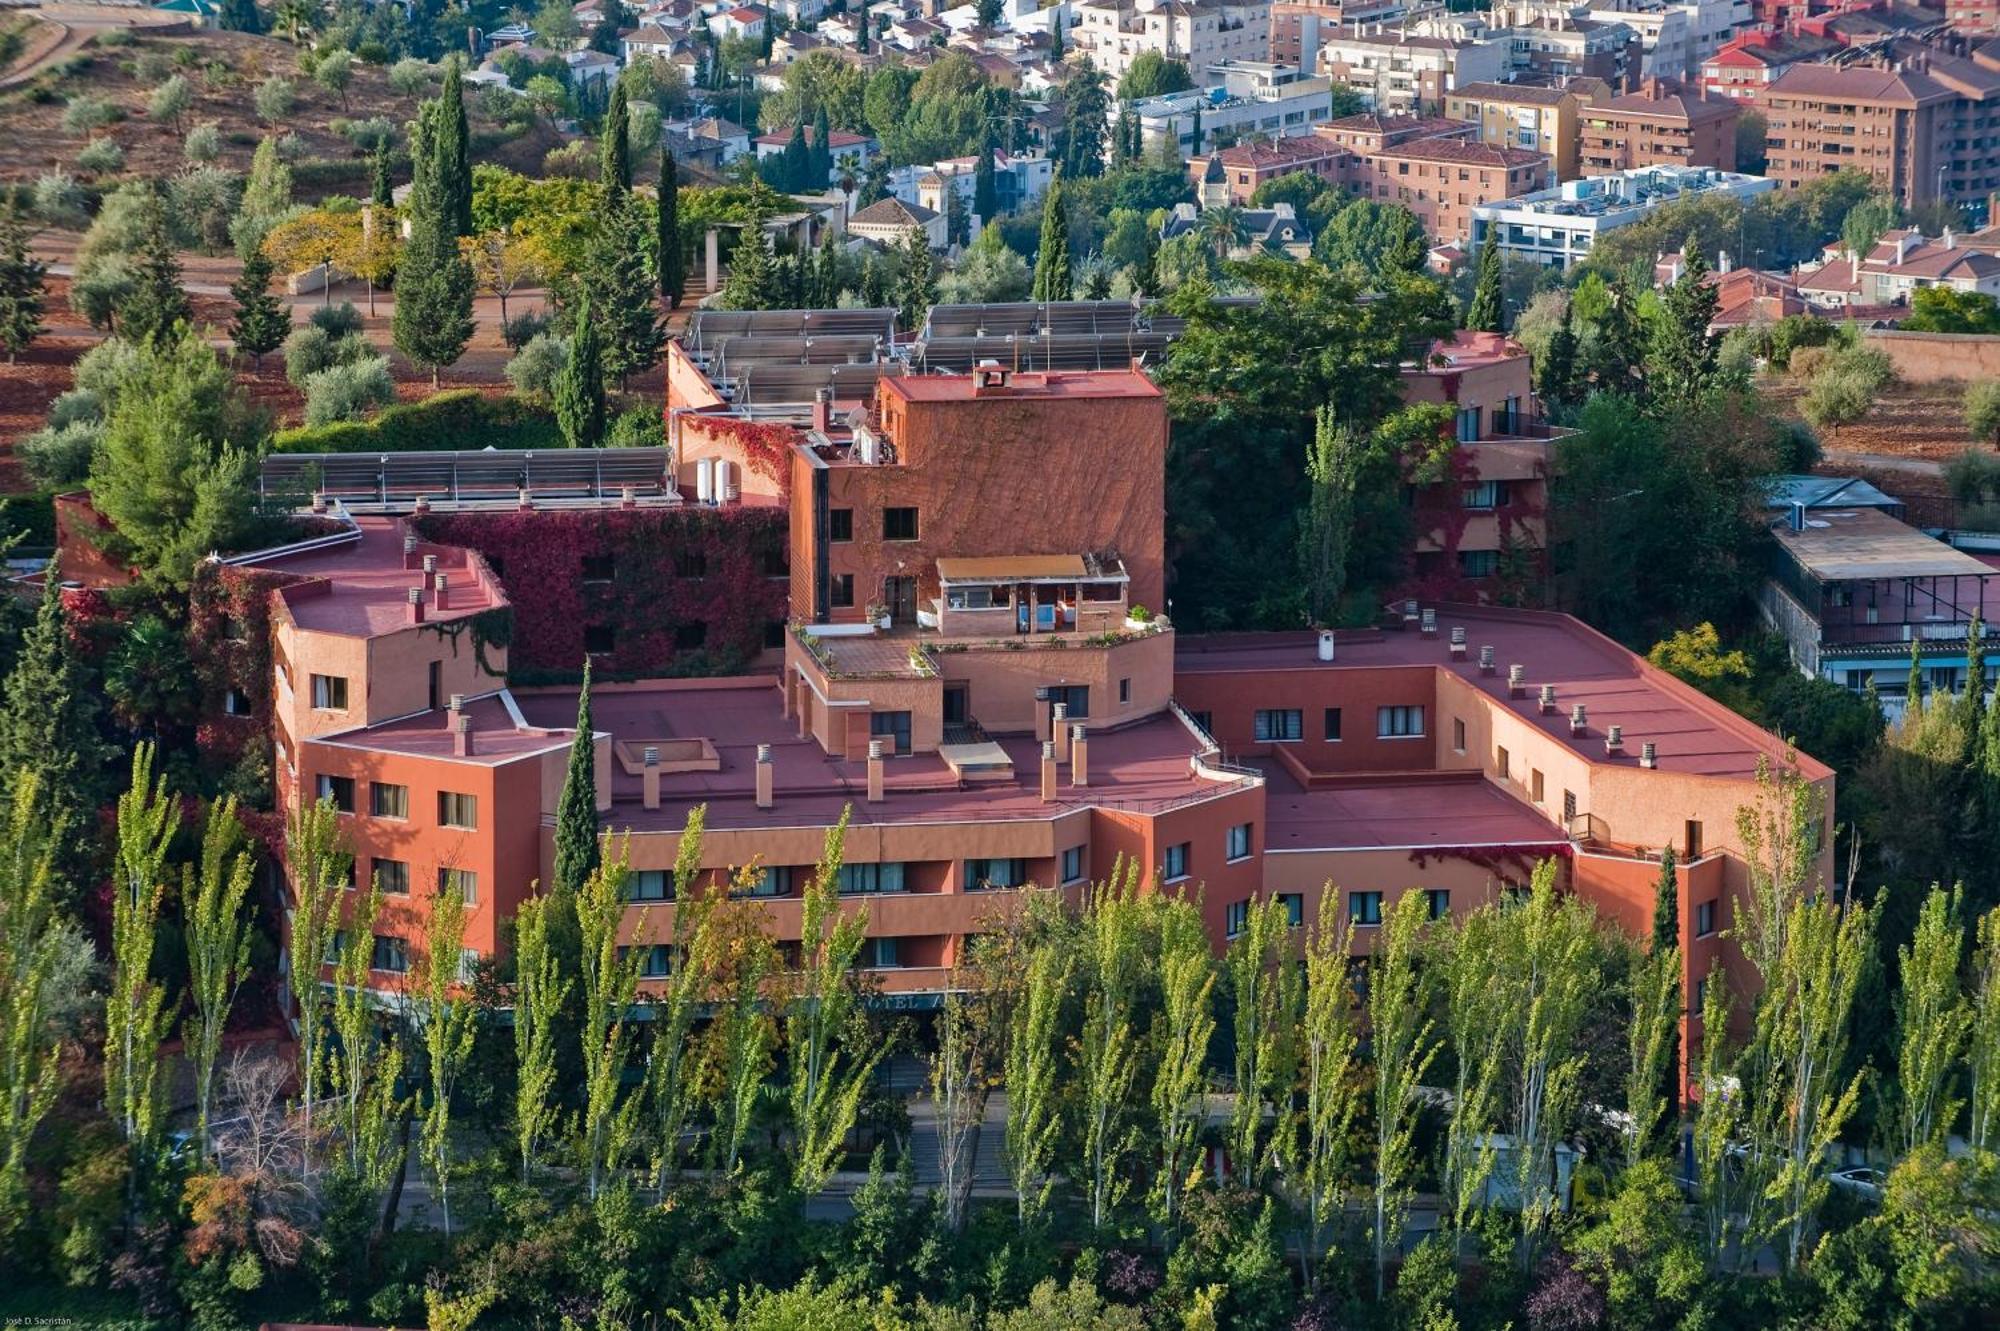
(1408, 69)
(1559, 227)
(1201, 34)
(1251, 97)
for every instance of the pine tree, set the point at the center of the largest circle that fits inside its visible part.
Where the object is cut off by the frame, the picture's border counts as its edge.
(21, 277)
(262, 320)
(1684, 352)
(1555, 376)
(620, 279)
(1052, 257)
(579, 386)
(673, 250)
(985, 194)
(453, 149)
(434, 283)
(822, 151)
(157, 302)
(381, 187)
(1487, 312)
(614, 151)
(51, 732)
(752, 280)
(918, 289)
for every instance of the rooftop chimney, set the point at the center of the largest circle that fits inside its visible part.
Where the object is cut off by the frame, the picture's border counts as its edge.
(1326, 645)
(650, 775)
(421, 505)
(1048, 771)
(874, 771)
(823, 410)
(416, 605)
(1614, 739)
(461, 734)
(1548, 698)
(409, 549)
(1517, 679)
(523, 501)
(1648, 755)
(1486, 660)
(442, 597)
(457, 702)
(319, 501)
(1079, 756)
(1458, 640)
(627, 497)
(1058, 732)
(1579, 720)
(430, 565)
(763, 776)
(1428, 625)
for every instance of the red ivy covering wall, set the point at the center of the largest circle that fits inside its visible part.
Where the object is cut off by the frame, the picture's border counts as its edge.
(1440, 508)
(229, 642)
(767, 447)
(691, 591)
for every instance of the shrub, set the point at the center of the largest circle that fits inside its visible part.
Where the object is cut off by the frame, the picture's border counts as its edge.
(636, 427)
(309, 350)
(372, 53)
(534, 369)
(78, 404)
(1982, 411)
(84, 113)
(291, 148)
(101, 157)
(1806, 362)
(105, 369)
(114, 37)
(524, 328)
(1973, 476)
(368, 135)
(275, 98)
(411, 78)
(348, 392)
(59, 200)
(152, 66)
(61, 456)
(203, 143)
(444, 420)
(577, 160)
(170, 101)
(96, 293)
(337, 321)
(1839, 396)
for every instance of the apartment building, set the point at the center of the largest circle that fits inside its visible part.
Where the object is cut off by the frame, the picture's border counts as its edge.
(1201, 34)
(1660, 126)
(1521, 115)
(1923, 123)
(1554, 47)
(1232, 175)
(1559, 227)
(1251, 99)
(1299, 26)
(1745, 66)
(1408, 70)
(1445, 180)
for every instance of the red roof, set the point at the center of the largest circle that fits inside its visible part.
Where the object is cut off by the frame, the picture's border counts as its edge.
(362, 589)
(1054, 383)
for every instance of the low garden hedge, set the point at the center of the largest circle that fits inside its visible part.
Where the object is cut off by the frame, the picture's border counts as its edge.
(460, 418)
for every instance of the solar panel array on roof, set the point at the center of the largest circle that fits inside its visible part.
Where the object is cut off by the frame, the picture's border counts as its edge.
(466, 474)
(1058, 317)
(1072, 351)
(708, 328)
(776, 385)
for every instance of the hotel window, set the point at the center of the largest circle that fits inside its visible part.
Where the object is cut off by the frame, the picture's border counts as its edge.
(1331, 722)
(1700, 995)
(391, 954)
(597, 568)
(1277, 724)
(599, 639)
(1468, 424)
(1237, 845)
(1125, 690)
(885, 953)
(339, 789)
(1458, 734)
(1439, 901)
(1500, 763)
(1399, 722)
(386, 800)
(1704, 919)
(457, 810)
(1535, 784)
(234, 703)
(393, 877)
(840, 524)
(775, 881)
(974, 598)
(1478, 563)
(862, 878)
(330, 692)
(1364, 908)
(1234, 916)
(1175, 865)
(462, 881)
(1691, 840)
(1569, 807)
(649, 885)
(1072, 864)
(659, 962)
(840, 590)
(899, 524)
(995, 873)
(1295, 908)
(892, 726)
(1484, 494)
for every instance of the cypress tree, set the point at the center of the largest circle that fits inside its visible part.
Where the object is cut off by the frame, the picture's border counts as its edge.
(1684, 352)
(614, 143)
(157, 301)
(673, 251)
(1194, 141)
(1666, 905)
(381, 189)
(578, 852)
(985, 195)
(21, 277)
(1052, 256)
(433, 320)
(918, 291)
(579, 385)
(826, 274)
(453, 150)
(797, 168)
(262, 321)
(1487, 312)
(1055, 41)
(822, 150)
(51, 730)
(1555, 377)
(620, 276)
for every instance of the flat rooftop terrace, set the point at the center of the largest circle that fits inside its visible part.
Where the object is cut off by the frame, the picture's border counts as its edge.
(1691, 733)
(366, 588)
(499, 734)
(1444, 811)
(1142, 767)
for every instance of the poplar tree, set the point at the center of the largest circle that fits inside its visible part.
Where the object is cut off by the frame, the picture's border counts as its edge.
(1183, 1028)
(578, 849)
(1112, 941)
(135, 1016)
(51, 730)
(672, 248)
(447, 1016)
(1983, 1039)
(31, 942)
(1330, 1046)
(1718, 1120)
(670, 1071)
(214, 891)
(319, 874)
(1401, 1042)
(1052, 280)
(1933, 1022)
(262, 321)
(610, 982)
(540, 989)
(367, 1069)
(1333, 461)
(743, 1032)
(1652, 1043)
(579, 387)
(1487, 313)
(614, 148)
(829, 1051)
(1476, 1028)
(1264, 982)
(21, 286)
(1034, 1106)
(962, 1070)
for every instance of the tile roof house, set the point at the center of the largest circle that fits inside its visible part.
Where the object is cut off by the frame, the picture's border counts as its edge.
(1274, 230)
(888, 221)
(1900, 263)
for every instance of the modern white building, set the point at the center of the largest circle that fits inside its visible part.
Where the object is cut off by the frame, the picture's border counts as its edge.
(1408, 68)
(1251, 97)
(1199, 33)
(1559, 227)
